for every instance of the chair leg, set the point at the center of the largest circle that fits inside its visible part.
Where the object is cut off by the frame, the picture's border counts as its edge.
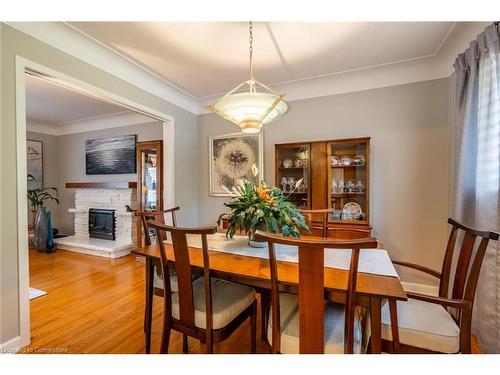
(265, 304)
(209, 345)
(165, 337)
(393, 309)
(148, 309)
(253, 328)
(185, 347)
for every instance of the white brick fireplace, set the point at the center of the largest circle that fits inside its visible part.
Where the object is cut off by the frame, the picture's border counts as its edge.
(102, 198)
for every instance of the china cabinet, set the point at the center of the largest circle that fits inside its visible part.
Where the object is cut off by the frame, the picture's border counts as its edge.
(336, 175)
(149, 158)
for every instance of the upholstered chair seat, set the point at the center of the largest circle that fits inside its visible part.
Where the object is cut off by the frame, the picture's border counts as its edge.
(423, 325)
(334, 327)
(158, 280)
(228, 301)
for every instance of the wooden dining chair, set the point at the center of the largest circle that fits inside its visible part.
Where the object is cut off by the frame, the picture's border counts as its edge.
(320, 226)
(158, 216)
(150, 237)
(440, 323)
(207, 309)
(307, 323)
(157, 287)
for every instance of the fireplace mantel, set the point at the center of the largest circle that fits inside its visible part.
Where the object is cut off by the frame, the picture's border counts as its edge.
(101, 185)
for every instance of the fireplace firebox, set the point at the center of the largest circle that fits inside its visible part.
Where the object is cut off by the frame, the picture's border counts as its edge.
(102, 224)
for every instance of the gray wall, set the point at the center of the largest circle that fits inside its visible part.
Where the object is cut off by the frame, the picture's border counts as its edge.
(14, 43)
(72, 163)
(409, 129)
(50, 170)
(64, 161)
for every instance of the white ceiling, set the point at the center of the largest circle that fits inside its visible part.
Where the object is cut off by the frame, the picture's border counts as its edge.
(53, 104)
(209, 58)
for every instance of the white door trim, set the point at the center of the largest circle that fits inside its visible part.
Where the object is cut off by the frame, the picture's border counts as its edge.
(24, 65)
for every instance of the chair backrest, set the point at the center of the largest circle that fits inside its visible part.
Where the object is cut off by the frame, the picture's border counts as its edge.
(465, 277)
(311, 289)
(158, 216)
(183, 269)
(315, 217)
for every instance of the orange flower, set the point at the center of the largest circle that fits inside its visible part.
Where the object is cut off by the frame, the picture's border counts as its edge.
(263, 194)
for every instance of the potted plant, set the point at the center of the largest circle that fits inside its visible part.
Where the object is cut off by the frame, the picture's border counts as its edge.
(257, 206)
(42, 219)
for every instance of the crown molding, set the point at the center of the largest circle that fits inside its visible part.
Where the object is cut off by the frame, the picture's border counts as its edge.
(41, 127)
(79, 45)
(410, 71)
(116, 120)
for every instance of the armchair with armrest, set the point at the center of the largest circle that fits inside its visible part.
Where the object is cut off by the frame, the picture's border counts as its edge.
(439, 323)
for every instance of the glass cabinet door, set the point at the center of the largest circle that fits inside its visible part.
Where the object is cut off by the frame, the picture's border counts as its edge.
(149, 182)
(348, 181)
(293, 165)
(149, 157)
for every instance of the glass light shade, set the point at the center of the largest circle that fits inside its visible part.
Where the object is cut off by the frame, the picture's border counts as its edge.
(248, 109)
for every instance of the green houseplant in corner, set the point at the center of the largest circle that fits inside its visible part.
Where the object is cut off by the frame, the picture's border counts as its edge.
(257, 206)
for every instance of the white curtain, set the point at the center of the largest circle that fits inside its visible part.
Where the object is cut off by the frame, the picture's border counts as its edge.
(477, 184)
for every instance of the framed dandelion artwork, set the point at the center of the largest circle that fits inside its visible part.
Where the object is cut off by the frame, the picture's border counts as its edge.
(231, 159)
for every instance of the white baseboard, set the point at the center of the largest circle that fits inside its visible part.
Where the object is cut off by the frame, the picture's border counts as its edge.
(12, 346)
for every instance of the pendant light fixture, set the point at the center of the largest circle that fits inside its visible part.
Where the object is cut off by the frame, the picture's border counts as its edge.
(250, 109)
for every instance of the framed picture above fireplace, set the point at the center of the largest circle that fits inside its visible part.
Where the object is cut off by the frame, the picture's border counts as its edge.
(114, 155)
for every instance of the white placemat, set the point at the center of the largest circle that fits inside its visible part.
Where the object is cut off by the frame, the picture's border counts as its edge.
(374, 261)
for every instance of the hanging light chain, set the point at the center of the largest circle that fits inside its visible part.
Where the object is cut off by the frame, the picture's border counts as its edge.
(250, 50)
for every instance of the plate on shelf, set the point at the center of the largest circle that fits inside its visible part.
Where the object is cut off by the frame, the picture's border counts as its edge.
(335, 162)
(359, 160)
(346, 161)
(287, 163)
(352, 211)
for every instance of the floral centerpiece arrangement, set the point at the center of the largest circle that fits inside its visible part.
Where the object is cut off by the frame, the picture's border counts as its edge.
(256, 206)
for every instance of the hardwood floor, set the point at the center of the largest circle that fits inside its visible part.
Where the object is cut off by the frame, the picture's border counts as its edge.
(96, 305)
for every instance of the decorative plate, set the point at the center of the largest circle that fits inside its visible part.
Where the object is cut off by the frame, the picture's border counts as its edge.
(287, 163)
(353, 211)
(334, 161)
(359, 160)
(346, 161)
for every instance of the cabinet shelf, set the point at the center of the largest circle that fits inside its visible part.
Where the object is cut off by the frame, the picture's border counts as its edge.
(347, 166)
(348, 194)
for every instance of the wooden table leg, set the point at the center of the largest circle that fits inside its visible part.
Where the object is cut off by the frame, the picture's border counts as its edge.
(265, 304)
(396, 348)
(148, 310)
(376, 325)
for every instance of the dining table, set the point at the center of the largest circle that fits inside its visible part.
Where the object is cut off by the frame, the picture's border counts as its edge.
(233, 260)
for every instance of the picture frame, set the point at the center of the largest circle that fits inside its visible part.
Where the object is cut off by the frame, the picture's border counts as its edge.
(231, 157)
(111, 155)
(34, 164)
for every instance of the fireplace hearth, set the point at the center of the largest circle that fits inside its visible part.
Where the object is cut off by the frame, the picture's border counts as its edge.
(102, 224)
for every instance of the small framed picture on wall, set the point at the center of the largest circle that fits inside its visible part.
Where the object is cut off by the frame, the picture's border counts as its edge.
(34, 154)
